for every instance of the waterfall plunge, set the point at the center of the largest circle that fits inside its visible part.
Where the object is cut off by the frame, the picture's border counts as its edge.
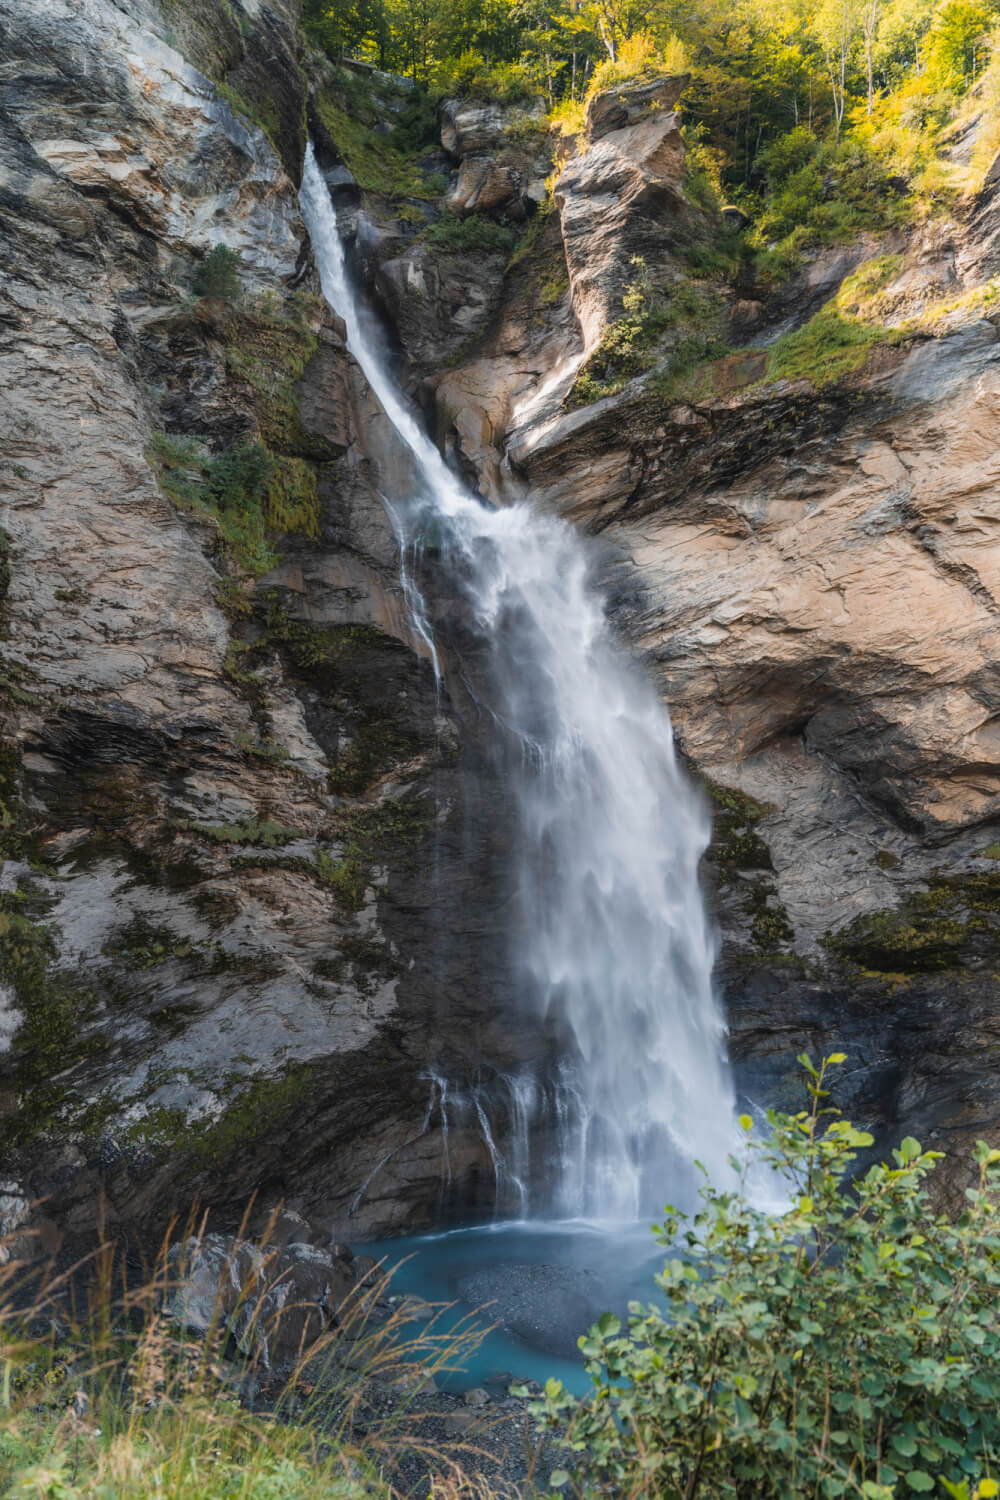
(612, 931)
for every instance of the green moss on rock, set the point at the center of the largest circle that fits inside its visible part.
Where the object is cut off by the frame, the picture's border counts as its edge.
(260, 833)
(931, 932)
(736, 845)
(54, 1007)
(252, 495)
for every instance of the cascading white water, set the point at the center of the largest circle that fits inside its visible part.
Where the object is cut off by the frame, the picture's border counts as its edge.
(613, 935)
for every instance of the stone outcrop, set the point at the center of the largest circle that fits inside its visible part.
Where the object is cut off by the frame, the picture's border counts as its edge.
(622, 196)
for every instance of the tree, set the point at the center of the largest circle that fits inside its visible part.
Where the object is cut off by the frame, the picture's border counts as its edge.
(217, 278)
(848, 1346)
(617, 21)
(956, 44)
(870, 10)
(835, 26)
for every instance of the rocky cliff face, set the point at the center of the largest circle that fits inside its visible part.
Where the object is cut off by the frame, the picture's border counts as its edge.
(810, 568)
(234, 804)
(254, 864)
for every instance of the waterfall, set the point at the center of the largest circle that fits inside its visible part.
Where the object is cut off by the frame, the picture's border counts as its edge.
(612, 937)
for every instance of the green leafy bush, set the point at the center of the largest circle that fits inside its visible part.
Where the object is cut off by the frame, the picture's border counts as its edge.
(474, 233)
(250, 493)
(848, 1346)
(821, 192)
(471, 76)
(217, 277)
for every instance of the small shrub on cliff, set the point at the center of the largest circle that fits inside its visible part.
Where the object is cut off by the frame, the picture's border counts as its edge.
(848, 1346)
(473, 234)
(250, 493)
(640, 59)
(217, 278)
(670, 328)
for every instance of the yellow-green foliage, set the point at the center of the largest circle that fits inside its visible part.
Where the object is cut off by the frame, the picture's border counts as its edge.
(639, 59)
(291, 500)
(472, 76)
(375, 163)
(838, 340)
(567, 117)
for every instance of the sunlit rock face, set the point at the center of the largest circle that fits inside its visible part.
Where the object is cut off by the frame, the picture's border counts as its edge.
(811, 574)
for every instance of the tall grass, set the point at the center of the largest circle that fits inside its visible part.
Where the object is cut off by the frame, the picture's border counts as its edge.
(104, 1397)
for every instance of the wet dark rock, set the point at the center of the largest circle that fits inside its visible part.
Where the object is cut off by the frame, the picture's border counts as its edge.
(273, 1302)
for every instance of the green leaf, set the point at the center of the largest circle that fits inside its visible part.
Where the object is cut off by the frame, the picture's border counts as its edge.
(746, 1122)
(558, 1478)
(909, 1148)
(919, 1479)
(608, 1325)
(904, 1444)
(837, 1057)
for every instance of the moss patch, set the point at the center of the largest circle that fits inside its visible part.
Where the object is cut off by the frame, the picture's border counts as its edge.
(391, 830)
(885, 860)
(257, 1107)
(670, 330)
(770, 929)
(54, 1009)
(931, 932)
(268, 347)
(376, 162)
(736, 845)
(838, 341)
(142, 944)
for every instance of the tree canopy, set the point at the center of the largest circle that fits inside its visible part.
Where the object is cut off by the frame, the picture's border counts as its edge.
(760, 68)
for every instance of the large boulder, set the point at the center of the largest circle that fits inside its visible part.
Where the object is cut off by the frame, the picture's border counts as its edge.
(440, 302)
(472, 125)
(274, 1301)
(615, 109)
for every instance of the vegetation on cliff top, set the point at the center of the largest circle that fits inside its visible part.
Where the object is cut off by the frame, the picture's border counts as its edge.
(815, 113)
